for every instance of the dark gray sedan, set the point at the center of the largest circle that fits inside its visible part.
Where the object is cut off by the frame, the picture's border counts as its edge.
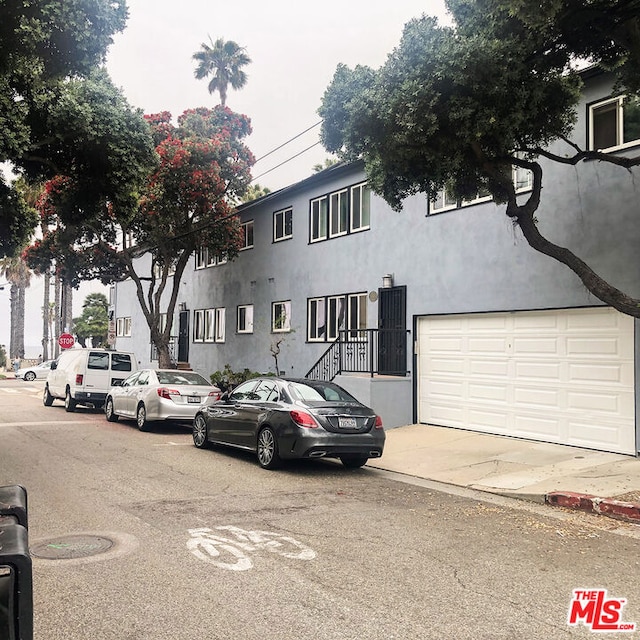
(282, 418)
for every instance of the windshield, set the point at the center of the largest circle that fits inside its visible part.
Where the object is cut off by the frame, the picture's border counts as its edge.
(181, 377)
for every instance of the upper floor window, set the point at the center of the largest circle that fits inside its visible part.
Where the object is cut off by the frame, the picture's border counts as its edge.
(283, 224)
(281, 316)
(614, 123)
(247, 235)
(245, 318)
(207, 258)
(339, 213)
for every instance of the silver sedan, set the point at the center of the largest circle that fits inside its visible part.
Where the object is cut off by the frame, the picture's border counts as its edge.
(150, 395)
(35, 371)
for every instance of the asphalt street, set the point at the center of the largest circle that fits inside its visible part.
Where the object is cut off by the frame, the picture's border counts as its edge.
(167, 541)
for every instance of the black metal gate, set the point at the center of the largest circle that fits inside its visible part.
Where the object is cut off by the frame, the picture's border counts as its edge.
(392, 322)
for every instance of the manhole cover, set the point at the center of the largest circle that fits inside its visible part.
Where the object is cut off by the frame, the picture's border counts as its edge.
(70, 547)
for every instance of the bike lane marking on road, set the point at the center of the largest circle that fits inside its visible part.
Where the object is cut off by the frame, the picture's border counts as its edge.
(207, 545)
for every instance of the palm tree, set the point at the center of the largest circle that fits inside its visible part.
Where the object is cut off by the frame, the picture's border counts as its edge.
(223, 60)
(18, 275)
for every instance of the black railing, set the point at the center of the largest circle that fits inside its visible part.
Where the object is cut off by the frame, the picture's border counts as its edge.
(372, 351)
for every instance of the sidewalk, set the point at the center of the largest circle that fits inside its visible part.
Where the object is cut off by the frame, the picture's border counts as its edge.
(605, 483)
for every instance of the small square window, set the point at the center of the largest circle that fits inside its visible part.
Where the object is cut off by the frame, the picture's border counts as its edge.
(283, 225)
(614, 123)
(281, 316)
(245, 318)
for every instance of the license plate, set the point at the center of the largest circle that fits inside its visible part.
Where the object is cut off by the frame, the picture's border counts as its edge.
(193, 399)
(347, 423)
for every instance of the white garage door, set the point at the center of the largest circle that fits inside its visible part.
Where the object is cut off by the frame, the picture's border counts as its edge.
(564, 376)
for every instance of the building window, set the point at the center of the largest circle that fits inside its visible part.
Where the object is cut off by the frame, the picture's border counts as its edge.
(338, 213)
(444, 202)
(319, 218)
(206, 258)
(281, 316)
(208, 325)
(316, 320)
(283, 225)
(614, 123)
(327, 316)
(247, 235)
(245, 318)
(360, 207)
(123, 327)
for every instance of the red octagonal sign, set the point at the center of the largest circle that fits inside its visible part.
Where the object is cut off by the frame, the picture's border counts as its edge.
(66, 340)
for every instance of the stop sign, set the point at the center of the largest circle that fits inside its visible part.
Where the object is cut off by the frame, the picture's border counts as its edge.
(66, 341)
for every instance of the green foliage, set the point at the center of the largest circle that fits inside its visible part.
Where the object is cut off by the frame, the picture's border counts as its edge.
(17, 220)
(3, 356)
(223, 60)
(94, 321)
(227, 379)
(46, 49)
(254, 192)
(328, 162)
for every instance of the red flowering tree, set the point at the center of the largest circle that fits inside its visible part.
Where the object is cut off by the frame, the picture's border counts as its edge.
(203, 166)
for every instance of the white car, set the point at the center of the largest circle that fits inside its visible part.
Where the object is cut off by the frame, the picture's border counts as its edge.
(149, 395)
(35, 371)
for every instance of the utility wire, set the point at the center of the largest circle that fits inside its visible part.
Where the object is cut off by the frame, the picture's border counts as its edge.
(288, 141)
(285, 161)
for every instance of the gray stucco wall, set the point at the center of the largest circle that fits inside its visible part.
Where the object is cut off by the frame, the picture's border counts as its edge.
(471, 259)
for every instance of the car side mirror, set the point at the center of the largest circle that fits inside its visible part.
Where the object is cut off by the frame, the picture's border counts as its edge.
(54, 365)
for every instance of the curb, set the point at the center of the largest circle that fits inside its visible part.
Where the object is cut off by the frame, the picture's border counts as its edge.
(629, 511)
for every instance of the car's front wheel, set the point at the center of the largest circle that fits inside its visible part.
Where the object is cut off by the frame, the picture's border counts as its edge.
(354, 462)
(112, 416)
(29, 376)
(200, 432)
(267, 449)
(47, 398)
(69, 402)
(141, 418)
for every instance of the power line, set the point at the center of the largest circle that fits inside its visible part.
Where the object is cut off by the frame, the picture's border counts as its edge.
(288, 141)
(285, 161)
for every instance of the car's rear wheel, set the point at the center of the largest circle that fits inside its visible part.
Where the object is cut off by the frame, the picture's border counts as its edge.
(200, 432)
(353, 461)
(141, 418)
(47, 398)
(267, 449)
(29, 376)
(69, 403)
(109, 412)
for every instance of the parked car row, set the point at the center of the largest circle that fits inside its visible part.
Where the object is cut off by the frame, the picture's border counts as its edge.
(276, 418)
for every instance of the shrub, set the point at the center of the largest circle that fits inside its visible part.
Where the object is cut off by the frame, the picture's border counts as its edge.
(227, 379)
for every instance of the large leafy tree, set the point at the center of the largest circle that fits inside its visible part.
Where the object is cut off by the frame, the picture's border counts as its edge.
(45, 47)
(94, 321)
(204, 165)
(460, 106)
(223, 61)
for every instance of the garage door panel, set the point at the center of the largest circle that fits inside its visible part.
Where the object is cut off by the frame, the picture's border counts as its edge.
(565, 376)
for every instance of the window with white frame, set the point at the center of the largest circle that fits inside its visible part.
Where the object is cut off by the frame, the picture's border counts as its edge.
(281, 316)
(444, 201)
(244, 322)
(123, 327)
(207, 258)
(614, 123)
(338, 213)
(283, 225)
(157, 270)
(328, 315)
(209, 325)
(316, 320)
(247, 235)
(360, 207)
(319, 219)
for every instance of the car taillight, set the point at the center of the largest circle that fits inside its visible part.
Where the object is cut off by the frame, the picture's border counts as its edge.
(378, 424)
(216, 395)
(163, 392)
(79, 378)
(303, 419)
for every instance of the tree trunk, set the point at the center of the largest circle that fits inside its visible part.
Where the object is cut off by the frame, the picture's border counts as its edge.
(13, 338)
(45, 317)
(58, 320)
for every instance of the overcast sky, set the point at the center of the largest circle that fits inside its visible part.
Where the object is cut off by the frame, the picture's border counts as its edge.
(294, 47)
